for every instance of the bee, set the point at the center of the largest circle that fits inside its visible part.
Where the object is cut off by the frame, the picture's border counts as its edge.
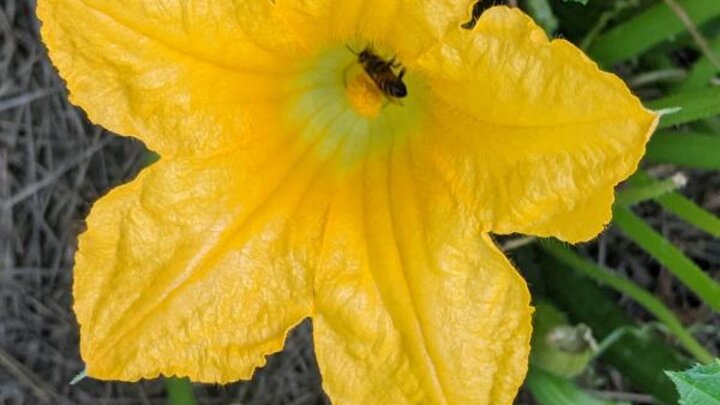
(382, 73)
(478, 8)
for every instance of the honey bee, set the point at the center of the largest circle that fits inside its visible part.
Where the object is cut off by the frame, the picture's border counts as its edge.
(382, 73)
(478, 8)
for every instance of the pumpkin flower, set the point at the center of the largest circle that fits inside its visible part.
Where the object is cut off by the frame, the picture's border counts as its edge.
(293, 184)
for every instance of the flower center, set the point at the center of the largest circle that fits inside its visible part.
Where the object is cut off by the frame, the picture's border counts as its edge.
(341, 109)
(362, 93)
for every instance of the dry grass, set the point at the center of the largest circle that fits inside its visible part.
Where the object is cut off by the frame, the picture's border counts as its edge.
(53, 164)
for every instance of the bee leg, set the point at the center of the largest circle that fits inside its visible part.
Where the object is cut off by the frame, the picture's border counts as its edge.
(352, 50)
(401, 74)
(392, 100)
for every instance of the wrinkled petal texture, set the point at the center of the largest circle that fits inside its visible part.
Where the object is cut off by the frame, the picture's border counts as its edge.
(269, 206)
(195, 268)
(407, 26)
(529, 134)
(188, 77)
(185, 77)
(412, 305)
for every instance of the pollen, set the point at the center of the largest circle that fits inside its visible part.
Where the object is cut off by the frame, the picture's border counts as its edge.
(363, 95)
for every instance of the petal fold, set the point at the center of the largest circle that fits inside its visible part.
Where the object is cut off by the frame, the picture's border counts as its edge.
(407, 27)
(413, 306)
(197, 268)
(528, 133)
(186, 77)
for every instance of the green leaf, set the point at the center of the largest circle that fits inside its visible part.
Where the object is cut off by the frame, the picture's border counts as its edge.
(640, 359)
(688, 106)
(179, 391)
(632, 290)
(698, 386)
(583, 2)
(649, 29)
(549, 389)
(692, 276)
(681, 206)
(702, 71)
(543, 14)
(691, 213)
(149, 158)
(640, 192)
(694, 150)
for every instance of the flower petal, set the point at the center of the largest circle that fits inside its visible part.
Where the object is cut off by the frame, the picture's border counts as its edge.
(197, 268)
(413, 306)
(526, 133)
(183, 76)
(407, 27)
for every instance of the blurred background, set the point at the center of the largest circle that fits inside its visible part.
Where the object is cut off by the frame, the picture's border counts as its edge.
(612, 314)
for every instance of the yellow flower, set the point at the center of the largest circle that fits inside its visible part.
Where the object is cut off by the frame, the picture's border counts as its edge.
(291, 186)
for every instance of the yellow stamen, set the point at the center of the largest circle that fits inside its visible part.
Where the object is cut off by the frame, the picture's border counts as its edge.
(363, 94)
